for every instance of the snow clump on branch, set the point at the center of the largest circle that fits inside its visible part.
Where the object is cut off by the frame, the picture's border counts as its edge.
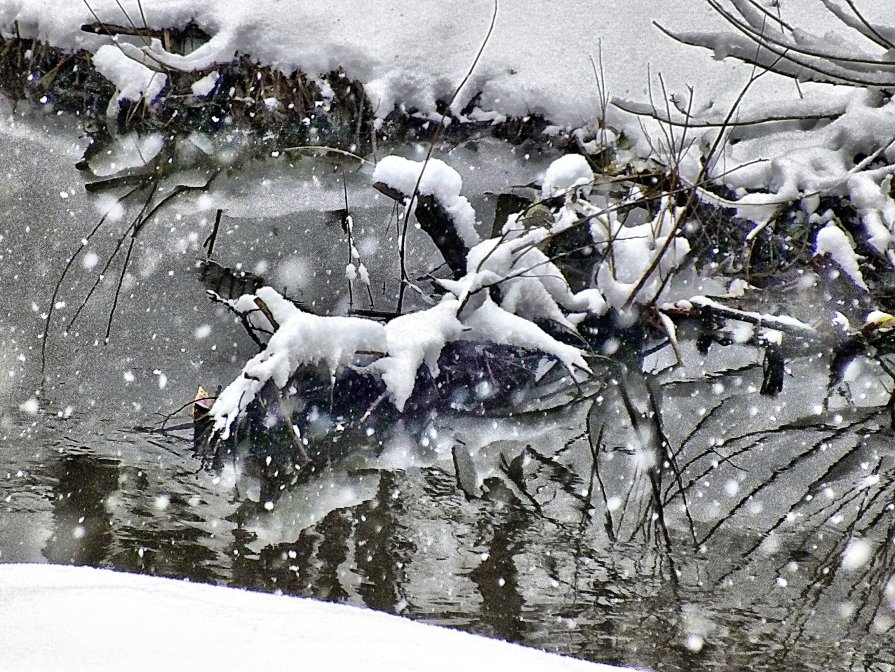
(438, 180)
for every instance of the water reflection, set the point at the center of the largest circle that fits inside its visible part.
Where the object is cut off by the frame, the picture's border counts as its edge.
(565, 531)
(496, 576)
(765, 543)
(81, 531)
(553, 551)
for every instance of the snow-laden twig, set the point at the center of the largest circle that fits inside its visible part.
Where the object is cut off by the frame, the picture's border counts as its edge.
(779, 161)
(402, 242)
(781, 323)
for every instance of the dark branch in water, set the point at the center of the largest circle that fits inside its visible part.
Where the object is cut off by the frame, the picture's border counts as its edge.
(213, 236)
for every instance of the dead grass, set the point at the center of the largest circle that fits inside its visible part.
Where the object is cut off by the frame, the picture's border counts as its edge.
(277, 109)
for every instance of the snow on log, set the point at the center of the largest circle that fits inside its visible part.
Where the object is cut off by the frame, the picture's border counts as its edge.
(438, 180)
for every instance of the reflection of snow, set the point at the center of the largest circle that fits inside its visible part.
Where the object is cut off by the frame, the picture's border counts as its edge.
(306, 504)
(487, 441)
(88, 619)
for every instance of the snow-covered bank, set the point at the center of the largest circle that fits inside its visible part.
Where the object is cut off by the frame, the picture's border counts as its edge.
(416, 53)
(80, 618)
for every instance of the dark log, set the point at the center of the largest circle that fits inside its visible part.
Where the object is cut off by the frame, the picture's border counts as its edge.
(507, 204)
(436, 222)
(774, 371)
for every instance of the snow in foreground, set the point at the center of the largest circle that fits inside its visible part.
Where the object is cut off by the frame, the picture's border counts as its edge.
(80, 618)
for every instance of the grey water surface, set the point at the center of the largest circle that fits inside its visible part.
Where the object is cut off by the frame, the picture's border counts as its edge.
(770, 545)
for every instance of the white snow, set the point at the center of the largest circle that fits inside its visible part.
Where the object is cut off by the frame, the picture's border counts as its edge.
(438, 180)
(413, 339)
(764, 319)
(302, 339)
(202, 87)
(415, 53)
(532, 286)
(493, 323)
(631, 251)
(798, 162)
(132, 79)
(832, 241)
(404, 344)
(30, 406)
(857, 554)
(571, 170)
(80, 618)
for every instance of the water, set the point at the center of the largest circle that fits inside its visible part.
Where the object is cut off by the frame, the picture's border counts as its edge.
(782, 558)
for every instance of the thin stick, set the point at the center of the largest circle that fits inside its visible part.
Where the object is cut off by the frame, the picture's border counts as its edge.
(402, 242)
(213, 236)
(111, 258)
(127, 258)
(68, 264)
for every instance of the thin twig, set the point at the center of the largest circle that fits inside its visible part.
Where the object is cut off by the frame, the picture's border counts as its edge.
(402, 241)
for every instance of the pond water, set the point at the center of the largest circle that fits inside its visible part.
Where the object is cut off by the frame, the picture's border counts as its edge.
(547, 528)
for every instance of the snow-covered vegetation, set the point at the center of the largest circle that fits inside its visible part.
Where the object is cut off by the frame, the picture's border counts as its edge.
(801, 155)
(509, 289)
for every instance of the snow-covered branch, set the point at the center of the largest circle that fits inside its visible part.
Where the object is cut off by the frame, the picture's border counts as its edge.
(510, 295)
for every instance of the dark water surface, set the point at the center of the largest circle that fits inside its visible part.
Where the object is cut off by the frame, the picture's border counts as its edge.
(780, 554)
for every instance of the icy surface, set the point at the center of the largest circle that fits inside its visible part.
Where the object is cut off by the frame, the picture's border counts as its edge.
(130, 150)
(79, 618)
